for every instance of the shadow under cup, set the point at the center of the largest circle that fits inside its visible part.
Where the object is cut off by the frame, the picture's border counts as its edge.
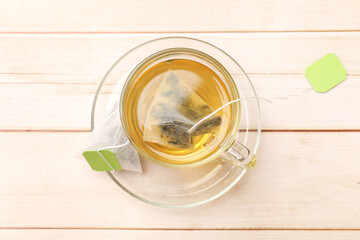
(202, 74)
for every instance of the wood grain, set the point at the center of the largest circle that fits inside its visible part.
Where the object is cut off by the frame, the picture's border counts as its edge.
(160, 234)
(178, 16)
(95, 53)
(63, 102)
(302, 181)
(54, 53)
(61, 70)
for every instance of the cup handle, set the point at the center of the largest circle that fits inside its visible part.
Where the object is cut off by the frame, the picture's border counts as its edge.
(240, 156)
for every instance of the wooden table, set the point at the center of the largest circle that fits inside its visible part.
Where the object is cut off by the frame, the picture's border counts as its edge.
(53, 54)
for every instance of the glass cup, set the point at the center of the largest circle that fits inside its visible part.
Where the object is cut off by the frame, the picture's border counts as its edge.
(193, 183)
(228, 148)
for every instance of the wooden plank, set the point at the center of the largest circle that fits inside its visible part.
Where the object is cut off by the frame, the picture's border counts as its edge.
(94, 53)
(46, 106)
(303, 180)
(52, 102)
(177, 16)
(161, 234)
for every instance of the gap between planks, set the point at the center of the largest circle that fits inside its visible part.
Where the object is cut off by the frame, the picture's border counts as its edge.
(183, 229)
(248, 73)
(97, 83)
(185, 32)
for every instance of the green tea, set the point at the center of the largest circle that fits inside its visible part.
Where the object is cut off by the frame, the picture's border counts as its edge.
(173, 143)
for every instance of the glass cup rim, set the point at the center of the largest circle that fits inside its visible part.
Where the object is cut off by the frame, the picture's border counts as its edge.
(226, 144)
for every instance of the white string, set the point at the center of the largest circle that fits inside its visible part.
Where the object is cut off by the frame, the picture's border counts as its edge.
(116, 146)
(284, 98)
(241, 99)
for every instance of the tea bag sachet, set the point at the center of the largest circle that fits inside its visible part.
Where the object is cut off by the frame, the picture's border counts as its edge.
(108, 148)
(176, 108)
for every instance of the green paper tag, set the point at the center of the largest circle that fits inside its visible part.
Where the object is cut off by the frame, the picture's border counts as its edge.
(111, 159)
(326, 73)
(103, 160)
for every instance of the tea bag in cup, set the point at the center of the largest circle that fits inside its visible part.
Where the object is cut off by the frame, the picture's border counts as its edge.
(174, 112)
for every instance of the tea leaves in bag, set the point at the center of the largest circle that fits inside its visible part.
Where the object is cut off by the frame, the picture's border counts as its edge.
(176, 108)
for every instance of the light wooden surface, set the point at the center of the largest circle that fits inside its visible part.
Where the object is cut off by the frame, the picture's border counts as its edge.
(304, 180)
(184, 16)
(175, 234)
(54, 53)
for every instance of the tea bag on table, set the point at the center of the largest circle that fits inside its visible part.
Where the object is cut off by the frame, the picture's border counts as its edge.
(176, 108)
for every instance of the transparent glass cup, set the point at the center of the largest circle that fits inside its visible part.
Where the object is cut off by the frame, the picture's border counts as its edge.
(192, 184)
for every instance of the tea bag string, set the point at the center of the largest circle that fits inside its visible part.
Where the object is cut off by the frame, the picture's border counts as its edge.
(247, 98)
(115, 146)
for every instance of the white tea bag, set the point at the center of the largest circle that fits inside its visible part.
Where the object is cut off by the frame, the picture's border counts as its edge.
(176, 108)
(109, 137)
